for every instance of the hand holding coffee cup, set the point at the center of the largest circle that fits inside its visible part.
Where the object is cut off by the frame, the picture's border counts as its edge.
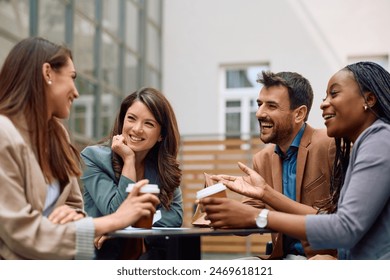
(146, 221)
(217, 190)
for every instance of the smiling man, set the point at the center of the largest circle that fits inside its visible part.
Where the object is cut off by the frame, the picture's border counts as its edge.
(297, 163)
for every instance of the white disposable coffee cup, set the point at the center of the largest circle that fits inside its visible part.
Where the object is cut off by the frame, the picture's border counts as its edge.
(149, 188)
(145, 221)
(217, 190)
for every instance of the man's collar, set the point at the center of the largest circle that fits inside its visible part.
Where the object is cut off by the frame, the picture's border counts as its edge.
(295, 143)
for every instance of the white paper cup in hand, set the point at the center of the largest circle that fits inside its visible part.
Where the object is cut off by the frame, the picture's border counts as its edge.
(149, 188)
(217, 190)
(145, 221)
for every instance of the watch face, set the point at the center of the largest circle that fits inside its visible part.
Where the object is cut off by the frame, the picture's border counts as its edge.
(261, 222)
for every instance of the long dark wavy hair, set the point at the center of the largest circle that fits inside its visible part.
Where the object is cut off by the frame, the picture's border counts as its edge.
(22, 94)
(163, 153)
(370, 77)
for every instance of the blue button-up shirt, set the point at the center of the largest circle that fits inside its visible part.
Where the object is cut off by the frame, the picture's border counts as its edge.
(290, 165)
(289, 184)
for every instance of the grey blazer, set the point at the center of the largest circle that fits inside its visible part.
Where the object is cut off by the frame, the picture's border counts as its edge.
(360, 228)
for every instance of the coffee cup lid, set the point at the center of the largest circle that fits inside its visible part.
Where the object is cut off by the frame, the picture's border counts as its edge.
(210, 190)
(149, 188)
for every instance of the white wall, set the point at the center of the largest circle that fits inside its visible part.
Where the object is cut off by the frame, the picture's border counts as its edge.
(311, 37)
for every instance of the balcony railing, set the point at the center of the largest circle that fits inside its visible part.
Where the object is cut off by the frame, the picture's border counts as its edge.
(217, 155)
(212, 154)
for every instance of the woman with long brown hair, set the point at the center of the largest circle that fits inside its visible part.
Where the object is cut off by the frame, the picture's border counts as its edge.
(143, 143)
(41, 214)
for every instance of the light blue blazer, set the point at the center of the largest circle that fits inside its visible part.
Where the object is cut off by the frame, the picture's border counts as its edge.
(103, 193)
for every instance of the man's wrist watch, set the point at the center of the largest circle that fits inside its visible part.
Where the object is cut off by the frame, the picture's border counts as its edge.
(262, 218)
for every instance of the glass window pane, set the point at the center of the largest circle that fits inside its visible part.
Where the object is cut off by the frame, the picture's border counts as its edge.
(110, 60)
(237, 79)
(78, 115)
(382, 60)
(51, 20)
(14, 17)
(131, 73)
(107, 114)
(233, 117)
(154, 10)
(111, 15)
(252, 73)
(84, 33)
(84, 87)
(233, 123)
(6, 46)
(131, 25)
(82, 110)
(87, 7)
(241, 84)
(152, 78)
(244, 77)
(233, 104)
(153, 47)
(254, 125)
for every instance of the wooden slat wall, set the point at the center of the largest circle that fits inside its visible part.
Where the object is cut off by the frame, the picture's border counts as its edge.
(213, 156)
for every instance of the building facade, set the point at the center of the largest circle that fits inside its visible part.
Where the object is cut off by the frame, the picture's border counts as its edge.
(116, 47)
(204, 55)
(213, 51)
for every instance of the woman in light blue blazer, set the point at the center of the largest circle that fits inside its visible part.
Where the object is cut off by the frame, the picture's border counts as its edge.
(143, 144)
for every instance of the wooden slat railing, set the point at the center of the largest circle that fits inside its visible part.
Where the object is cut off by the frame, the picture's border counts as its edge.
(199, 155)
(213, 155)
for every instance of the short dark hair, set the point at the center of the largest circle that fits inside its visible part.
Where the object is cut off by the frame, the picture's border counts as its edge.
(300, 91)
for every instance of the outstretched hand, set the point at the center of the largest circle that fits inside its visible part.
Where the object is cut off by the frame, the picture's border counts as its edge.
(251, 184)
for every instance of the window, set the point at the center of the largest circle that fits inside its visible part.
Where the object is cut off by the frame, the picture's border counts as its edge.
(116, 46)
(14, 19)
(239, 92)
(382, 60)
(51, 21)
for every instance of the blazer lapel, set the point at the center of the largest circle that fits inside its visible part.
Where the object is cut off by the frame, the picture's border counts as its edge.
(301, 162)
(277, 173)
(301, 159)
(64, 194)
(37, 187)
